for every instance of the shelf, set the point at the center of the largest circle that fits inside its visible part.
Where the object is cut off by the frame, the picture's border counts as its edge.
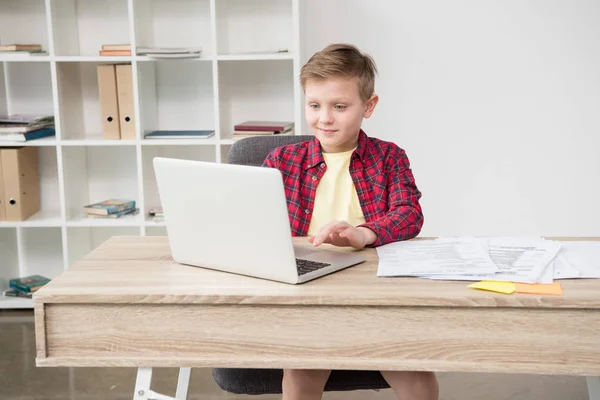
(84, 221)
(176, 95)
(42, 252)
(25, 59)
(43, 218)
(96, 139)
(16, 303)
(254, 90)
(23, 22)
(194, 59)
(173, 23)
(179, 142)
(96, 173)
(26, 88)
(81, 27)
(150, 222)
(241, 74)
(47, 141)
(93, 59)
(254, 26)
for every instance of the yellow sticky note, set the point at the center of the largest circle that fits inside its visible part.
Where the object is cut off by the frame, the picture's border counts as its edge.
(540, 288)
(493, 286)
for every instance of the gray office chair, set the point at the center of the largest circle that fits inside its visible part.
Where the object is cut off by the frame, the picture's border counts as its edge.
(253, 151)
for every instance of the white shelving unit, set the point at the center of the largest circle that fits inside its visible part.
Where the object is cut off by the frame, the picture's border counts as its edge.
(239, 76)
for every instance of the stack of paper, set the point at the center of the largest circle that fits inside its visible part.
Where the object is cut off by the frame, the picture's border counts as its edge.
(170, 52)
(525, 260)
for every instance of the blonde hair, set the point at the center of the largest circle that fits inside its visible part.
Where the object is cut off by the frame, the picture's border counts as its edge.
(345, 61)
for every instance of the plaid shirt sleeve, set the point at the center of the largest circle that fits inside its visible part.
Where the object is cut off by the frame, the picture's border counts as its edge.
(404, 217)
(270, 161)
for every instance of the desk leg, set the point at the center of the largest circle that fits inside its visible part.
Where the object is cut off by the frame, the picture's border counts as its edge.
(183, 383)
(142, 384)
(144, 380)
(593, 383)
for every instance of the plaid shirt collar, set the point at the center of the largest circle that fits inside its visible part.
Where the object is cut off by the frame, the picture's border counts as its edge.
(314, 155)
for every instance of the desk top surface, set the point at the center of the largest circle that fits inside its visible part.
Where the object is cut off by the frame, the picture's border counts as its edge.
(140, 269)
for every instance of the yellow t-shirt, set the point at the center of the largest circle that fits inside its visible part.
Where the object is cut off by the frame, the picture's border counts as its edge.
(336, 197)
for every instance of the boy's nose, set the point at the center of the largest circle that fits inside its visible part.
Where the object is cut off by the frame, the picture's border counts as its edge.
(325, 117)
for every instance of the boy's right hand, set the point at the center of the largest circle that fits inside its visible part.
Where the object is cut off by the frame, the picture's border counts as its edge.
(341, 233)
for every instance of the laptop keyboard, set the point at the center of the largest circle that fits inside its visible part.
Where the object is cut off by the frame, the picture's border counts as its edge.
(306, 266)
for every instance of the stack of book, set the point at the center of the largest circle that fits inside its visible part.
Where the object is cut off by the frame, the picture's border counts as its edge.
(262, 128)
(21, 128)
(25, 286)
(23, 50)
(111, 209)
(115, 50)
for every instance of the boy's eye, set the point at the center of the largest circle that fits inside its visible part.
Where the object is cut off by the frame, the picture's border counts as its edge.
(314, 106)
(340, 107)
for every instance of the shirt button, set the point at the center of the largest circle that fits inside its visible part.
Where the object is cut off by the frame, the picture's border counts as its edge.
(322, 165)
(307, 211)
(314, 177)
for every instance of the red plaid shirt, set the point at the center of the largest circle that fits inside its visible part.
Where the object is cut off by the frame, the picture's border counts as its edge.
(385, 185)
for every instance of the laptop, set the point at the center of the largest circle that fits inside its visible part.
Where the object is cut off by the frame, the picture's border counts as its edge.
(234, 218)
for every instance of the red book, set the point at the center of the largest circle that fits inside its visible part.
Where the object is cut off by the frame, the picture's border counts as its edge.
(276, 126)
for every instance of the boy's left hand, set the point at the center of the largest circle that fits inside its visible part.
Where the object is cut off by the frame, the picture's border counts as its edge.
(341, 233)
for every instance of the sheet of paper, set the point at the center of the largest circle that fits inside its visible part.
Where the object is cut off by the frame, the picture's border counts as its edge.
(582, 256)
(547, 276)
(419, 257)
(562, 268)
(518, 260)
(538, 288)
(500, 287)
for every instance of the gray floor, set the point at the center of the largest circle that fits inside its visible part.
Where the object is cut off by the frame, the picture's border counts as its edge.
(20, 379)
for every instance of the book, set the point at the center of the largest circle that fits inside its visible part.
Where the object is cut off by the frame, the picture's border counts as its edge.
(279, 126)
(28, 284)
(262, 133)
(26, 119)
(22, 128)
(16, 293)
(113, 53)
(120, 214)
(111, 206)
(182, 134)
(24, 53)
(116, 47)
(24, 137)
(21, 47)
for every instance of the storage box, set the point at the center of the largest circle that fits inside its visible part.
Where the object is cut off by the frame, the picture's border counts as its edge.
(20, 183)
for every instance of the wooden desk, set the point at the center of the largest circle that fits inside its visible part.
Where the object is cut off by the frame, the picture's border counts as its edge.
(128, 303)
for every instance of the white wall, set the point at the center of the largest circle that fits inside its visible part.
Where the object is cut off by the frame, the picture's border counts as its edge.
(497, 103)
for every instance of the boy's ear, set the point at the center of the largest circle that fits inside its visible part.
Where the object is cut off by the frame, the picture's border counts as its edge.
(370, 105)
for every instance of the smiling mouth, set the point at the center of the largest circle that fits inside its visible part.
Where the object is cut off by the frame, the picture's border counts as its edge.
(327, 130)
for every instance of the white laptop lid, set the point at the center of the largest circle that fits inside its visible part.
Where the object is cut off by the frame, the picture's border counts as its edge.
(227, 217)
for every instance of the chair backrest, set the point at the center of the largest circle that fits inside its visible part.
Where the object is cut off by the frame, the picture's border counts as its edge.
(254, 150)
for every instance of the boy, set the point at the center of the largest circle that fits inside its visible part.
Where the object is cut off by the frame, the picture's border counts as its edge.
(347, 189)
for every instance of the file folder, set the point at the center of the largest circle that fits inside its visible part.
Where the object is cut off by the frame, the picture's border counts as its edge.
(125, 100)
(109, 108)
(21, 179)
(2, 208)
